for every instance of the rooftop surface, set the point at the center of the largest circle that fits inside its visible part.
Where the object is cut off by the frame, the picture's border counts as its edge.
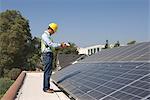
(32, 89)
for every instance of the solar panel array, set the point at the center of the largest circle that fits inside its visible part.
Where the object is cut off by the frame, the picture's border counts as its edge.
(115, 74)
(136, 52)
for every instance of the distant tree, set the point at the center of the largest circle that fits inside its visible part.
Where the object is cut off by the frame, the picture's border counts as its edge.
(5, 83)
(15, 39)
(14, 73)
(117, 44)
(131, 42)
(34, 58)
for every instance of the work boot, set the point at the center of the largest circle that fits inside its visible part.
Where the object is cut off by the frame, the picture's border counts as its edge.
(49, 91)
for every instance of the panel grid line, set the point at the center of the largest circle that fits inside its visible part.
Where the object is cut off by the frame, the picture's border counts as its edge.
(125, 86)
(109, 81)
(112, 88)
(134, 59)
(128, 50)
(86, 93)
(134, 52)
(146, 97)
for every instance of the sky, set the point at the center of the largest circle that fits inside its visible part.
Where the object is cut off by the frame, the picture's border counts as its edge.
(87, 22)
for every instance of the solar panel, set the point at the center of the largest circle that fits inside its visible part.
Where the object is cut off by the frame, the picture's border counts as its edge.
(117, 54)
(124, 52)
(143, 57)
(111, 80)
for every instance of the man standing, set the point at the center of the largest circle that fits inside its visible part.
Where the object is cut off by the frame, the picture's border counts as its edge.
(47, 46)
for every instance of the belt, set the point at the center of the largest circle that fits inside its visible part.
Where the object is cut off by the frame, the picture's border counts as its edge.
(47, 53)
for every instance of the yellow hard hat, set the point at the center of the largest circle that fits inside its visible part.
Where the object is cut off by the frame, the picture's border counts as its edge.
(54, 26)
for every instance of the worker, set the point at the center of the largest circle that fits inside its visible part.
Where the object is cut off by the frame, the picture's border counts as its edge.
(47, 47)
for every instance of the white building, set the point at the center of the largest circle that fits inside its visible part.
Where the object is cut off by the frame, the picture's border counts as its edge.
(93, 49)
(90, 50)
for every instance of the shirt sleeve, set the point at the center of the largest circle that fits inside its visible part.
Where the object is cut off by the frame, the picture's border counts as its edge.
(49, 42)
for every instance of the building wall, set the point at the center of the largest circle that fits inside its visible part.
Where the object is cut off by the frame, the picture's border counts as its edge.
(90, 50)
(93, 49)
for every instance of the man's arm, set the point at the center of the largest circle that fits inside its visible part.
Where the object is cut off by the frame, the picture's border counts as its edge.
(49, 42)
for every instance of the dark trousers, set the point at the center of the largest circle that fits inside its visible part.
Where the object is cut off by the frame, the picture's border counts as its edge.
(47, 61)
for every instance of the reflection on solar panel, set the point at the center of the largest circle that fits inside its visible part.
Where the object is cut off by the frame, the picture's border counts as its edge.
(115, 74)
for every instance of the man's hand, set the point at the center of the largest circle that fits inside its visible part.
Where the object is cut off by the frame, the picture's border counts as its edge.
(64, 45)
